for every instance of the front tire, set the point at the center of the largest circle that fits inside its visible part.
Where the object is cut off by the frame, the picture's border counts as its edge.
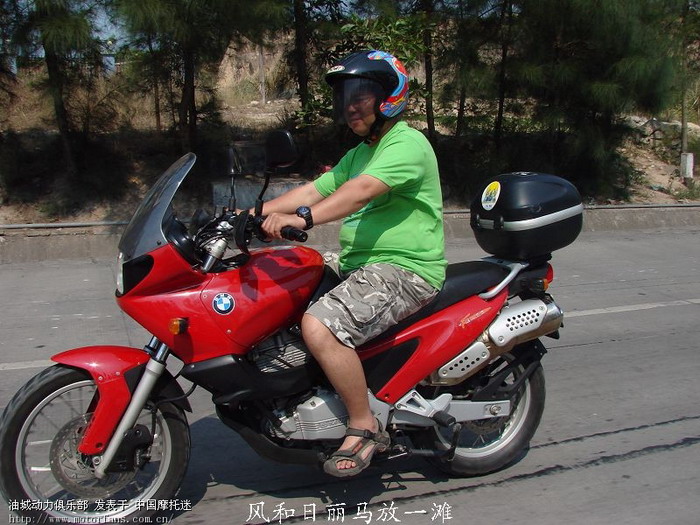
(44, 477)
(489, 445)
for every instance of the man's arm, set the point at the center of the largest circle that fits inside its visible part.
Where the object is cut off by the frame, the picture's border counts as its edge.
(347, 199)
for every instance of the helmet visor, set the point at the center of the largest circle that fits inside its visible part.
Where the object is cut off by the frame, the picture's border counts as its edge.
(356, 98)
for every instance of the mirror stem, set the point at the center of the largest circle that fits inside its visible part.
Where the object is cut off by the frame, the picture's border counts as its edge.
(234, 168)
(259, 201)
(232, 199)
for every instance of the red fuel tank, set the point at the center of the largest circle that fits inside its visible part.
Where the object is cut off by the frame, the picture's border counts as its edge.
(267, 293)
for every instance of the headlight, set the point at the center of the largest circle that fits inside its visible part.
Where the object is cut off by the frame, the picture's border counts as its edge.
(132, 272)
(120, 273)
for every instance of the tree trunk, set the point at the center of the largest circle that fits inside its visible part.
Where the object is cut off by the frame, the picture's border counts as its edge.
(188, 108)
(172, 103)
(301, 39)
(156, 87)
(56, 89)
(684, 77)
(261, 70)
(506, 10)
(461, 110)
(156, 104)
(427, 7)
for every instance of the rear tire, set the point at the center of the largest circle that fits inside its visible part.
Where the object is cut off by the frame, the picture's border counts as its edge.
(39, 431)
(489, 445)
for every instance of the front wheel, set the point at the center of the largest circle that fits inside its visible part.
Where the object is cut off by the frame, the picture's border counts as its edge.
(44, 477)
(488, 445)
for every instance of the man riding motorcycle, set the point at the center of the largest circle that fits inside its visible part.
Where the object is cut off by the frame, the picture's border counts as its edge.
(387, 191)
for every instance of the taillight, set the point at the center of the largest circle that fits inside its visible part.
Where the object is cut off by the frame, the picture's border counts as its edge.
(550, 273)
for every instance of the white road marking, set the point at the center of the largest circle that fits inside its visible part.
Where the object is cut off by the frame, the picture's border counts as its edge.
(629, 308)
(21, 365)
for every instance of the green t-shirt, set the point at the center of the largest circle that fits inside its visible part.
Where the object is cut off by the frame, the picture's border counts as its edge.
(403, 226)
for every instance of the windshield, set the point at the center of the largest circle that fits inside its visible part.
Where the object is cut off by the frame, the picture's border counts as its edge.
(145, 231)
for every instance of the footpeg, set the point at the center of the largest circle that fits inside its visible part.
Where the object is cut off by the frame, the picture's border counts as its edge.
(444, 419)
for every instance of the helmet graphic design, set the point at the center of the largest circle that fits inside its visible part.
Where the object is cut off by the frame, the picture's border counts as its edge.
(397, 100)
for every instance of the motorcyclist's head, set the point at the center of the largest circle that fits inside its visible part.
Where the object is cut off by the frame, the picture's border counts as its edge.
(369, 88)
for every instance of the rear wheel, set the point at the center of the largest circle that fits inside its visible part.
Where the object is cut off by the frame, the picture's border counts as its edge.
(44, 476)
(487, 445)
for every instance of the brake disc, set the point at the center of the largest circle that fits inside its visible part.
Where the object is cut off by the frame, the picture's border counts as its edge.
(74, 471)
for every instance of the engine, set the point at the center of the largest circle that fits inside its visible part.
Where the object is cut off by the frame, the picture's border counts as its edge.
(281, 351)
(316, 416)
(321, 416)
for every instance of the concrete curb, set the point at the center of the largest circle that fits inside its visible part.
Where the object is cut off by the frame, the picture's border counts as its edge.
(24, 243)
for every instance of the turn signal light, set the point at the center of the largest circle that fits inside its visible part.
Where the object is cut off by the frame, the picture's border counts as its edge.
(537, 285)
(178, 325)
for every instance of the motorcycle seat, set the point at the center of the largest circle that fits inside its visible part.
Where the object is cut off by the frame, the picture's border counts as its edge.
(462, 280)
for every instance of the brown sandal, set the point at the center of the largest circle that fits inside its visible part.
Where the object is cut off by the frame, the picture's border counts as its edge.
(379, 440)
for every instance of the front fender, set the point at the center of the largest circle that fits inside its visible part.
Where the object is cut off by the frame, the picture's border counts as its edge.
(116, 371)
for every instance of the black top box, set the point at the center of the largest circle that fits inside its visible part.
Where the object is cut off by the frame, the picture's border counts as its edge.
(525, 216)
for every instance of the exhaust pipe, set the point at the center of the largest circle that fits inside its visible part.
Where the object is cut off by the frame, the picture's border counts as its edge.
(524, 321)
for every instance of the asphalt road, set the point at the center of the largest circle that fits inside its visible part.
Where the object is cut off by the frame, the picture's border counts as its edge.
(619, 440)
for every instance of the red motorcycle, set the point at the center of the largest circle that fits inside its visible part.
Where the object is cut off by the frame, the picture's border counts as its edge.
(459, 382)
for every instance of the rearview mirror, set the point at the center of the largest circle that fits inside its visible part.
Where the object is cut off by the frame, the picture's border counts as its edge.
(280, 149)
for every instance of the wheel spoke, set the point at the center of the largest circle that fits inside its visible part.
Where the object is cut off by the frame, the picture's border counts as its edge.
(49, 421)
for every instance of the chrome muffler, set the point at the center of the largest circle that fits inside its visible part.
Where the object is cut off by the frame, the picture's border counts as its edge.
(521, 322)
(524, 321)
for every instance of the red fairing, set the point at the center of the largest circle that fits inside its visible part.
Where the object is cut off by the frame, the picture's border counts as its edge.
(269, 291)
(107, 366)
(442, 336)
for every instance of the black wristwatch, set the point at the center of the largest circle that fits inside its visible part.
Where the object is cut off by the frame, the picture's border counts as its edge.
(305, 213)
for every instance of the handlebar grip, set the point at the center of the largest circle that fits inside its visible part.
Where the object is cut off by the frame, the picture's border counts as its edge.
(294, 234)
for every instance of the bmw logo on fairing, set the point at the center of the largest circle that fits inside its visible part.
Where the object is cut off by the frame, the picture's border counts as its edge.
(223, 303)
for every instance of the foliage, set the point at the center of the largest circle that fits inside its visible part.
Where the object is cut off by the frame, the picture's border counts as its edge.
(181, 39)
(30, 162)
(519, 84)
(585, 63)
(7, 77)
(690, 192)
(398, 36)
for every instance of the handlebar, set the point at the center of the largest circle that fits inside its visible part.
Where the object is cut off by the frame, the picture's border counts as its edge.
(211, 239)
(294, 234)
(288, 232)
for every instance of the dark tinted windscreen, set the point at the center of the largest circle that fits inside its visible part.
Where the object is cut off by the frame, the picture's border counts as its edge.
(144, 232)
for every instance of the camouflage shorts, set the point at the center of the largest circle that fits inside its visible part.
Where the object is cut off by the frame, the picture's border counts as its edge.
(369, 301)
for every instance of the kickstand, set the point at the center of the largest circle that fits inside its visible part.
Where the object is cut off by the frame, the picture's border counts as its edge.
(456, 431)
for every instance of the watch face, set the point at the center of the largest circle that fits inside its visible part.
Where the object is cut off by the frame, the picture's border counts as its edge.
(305, 213)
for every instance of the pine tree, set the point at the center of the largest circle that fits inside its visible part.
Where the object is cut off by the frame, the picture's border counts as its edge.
(198, 33)
(65, 32)
(586, 62)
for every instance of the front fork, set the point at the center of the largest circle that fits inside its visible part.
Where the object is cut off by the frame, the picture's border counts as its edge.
(154, 369)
